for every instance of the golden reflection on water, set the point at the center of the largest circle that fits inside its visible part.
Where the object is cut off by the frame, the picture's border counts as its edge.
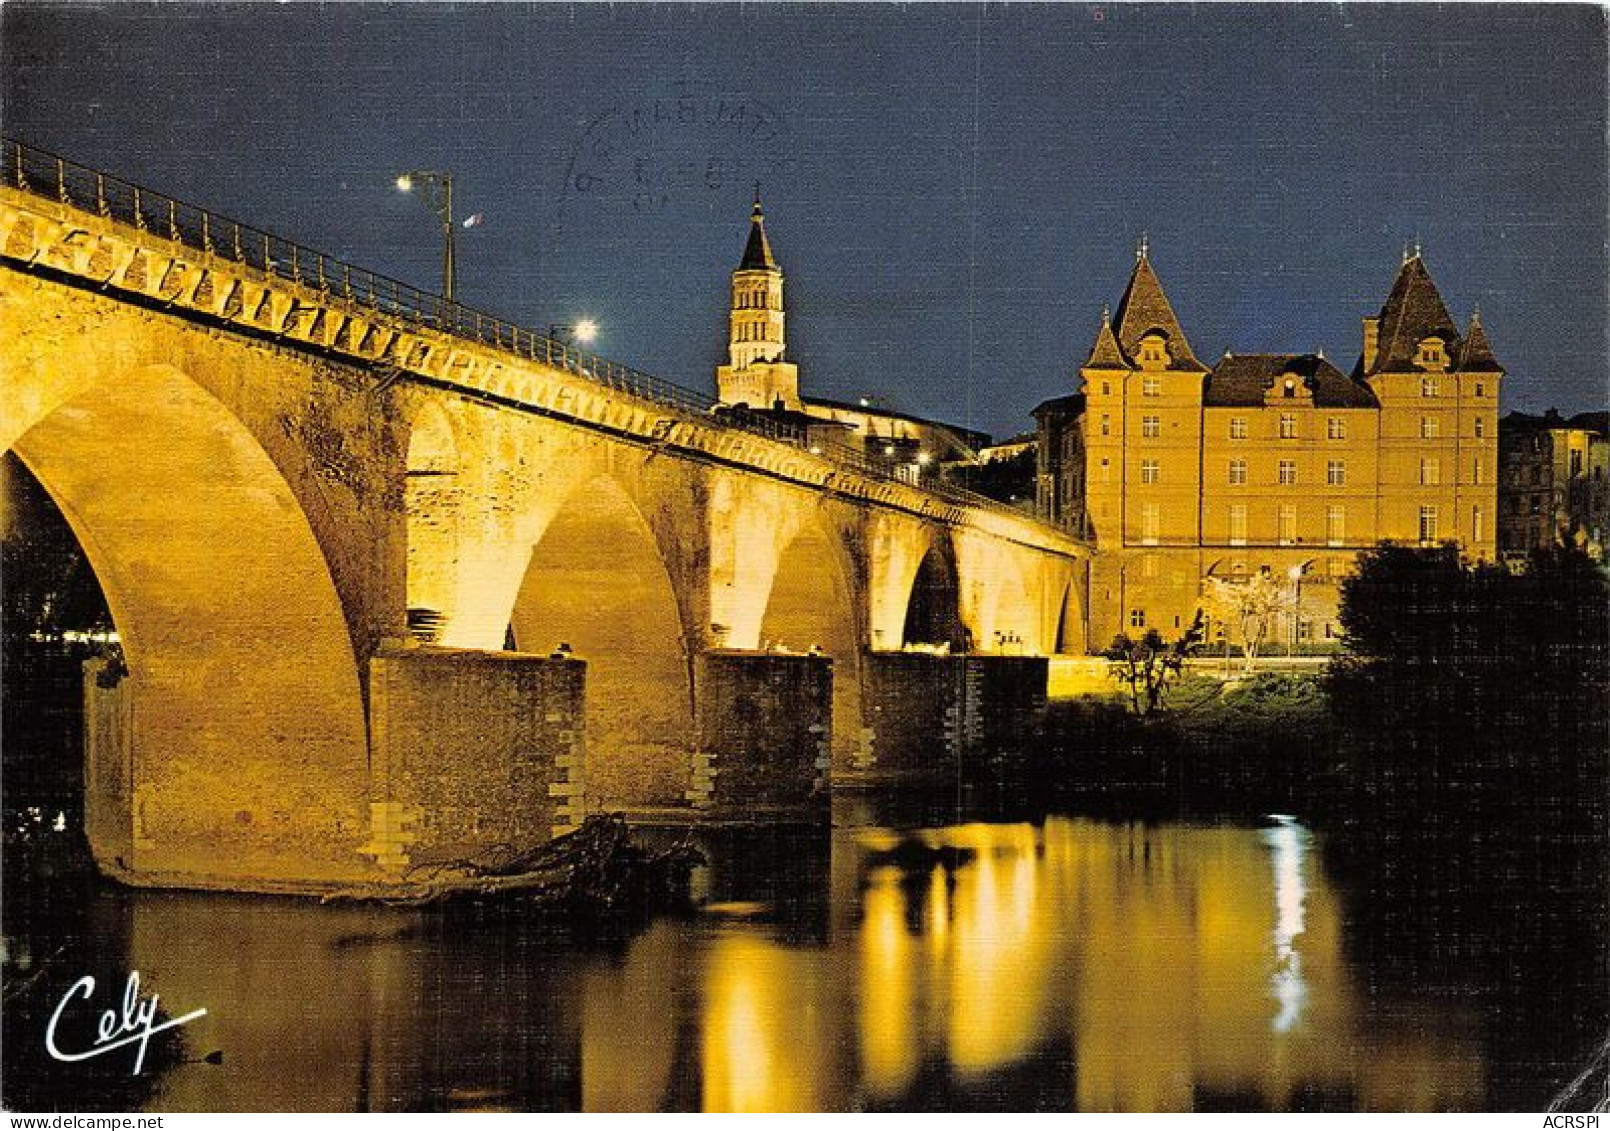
(1110, 967)
(1165, 967)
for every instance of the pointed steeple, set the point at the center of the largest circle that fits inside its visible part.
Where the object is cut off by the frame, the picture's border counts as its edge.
(1477, 356)
(1413, 311)
(757, 252)
(1105, 354)
(1144, 309)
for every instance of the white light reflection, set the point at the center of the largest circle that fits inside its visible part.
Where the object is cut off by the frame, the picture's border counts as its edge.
(1288, 842)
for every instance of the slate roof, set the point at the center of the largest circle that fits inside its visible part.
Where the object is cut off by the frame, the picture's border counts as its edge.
(1477, 355)
(1105, 354)
(1413, 311)
(1068, 406)
(1241, 380)
(1145, 308)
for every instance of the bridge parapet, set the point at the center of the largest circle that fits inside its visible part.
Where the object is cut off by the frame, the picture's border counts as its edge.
(95, 230)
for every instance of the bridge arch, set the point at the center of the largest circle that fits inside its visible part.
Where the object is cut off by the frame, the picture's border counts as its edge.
(933, 605)
(433, 504)
(241, 749)
(597, 582)
(813, 603)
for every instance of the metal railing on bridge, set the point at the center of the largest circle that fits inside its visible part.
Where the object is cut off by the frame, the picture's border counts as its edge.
(56, 178)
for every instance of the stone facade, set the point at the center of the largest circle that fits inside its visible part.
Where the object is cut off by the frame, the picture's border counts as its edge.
(1275, 463)
(1554, 483)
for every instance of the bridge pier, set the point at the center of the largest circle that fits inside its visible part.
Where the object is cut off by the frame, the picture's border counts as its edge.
(932, 716)
(765, 737)
(471, 751)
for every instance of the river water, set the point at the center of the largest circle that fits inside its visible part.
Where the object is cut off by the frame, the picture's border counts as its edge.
(1061, 962)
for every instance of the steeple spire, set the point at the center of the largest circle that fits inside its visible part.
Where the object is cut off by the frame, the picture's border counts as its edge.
(757, 252)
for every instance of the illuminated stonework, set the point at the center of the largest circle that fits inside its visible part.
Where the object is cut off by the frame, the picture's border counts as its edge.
(278, 481)
(1276, 463)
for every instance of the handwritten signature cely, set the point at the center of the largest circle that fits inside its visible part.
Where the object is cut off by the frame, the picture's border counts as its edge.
(135, 1024)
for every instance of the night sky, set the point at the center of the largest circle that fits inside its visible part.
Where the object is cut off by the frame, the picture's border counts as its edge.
(953, 191)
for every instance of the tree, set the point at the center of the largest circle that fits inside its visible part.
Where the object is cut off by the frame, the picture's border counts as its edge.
(1470, 689)
(1251, 608)
(1149, 665)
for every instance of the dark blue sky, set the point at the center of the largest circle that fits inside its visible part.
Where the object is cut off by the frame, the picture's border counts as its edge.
(954, 191)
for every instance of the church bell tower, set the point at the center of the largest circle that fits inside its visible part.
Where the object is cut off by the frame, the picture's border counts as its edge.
(756, 374)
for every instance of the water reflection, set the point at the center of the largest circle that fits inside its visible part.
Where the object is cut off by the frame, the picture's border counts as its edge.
(1288, 841)
(1072, 964)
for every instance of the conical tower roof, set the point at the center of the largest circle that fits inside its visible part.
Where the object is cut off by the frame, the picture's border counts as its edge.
(1105, 354)
(1477, 356)
(1144, 309)
(1413, 312)
(757, 252)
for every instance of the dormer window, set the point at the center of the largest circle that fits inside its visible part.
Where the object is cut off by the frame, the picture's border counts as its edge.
(1289, 389)
(1431, 355)
(1154, 351)
(1429, 386)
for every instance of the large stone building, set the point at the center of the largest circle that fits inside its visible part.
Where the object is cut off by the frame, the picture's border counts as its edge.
(1277, 463)
(759, 379)
(1554, 482)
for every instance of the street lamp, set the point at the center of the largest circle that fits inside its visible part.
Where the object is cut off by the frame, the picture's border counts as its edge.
(440, 200)
(583, 332)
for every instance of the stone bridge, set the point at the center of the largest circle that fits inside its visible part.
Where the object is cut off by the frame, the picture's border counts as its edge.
(344, 529)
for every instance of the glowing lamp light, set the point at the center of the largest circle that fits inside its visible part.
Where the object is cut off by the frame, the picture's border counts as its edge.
(586, 330)
(888, 449)
(405, 183)
(1294, 572)
(924, 458)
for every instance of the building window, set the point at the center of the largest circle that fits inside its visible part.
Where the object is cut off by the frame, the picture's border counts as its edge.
(1149, 471)
(1238, 473)
(1288, 524)
(1149, 566)
(1288, 426)
(1105, 475)
(1481, 390)
(1106, 424)
(1336, 428)
(1430, 472)
(1150, 523)
(1335, 473)
(1481, 427)
(1430, 386)
(1428, 428)
(1475, 524)
(1106, 388)
(1238, 428)
(1151, 426)
(1137, 618)
(1428, 525)
(1335, 526)
(1151, 386)
(1475, 471)
(1288, 472)
(1238, 525)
